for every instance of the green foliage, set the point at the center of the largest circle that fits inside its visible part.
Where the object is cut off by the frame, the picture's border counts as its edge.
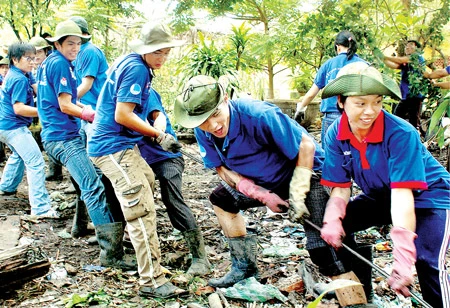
(98, 298)
(206, 59)
(435, 130)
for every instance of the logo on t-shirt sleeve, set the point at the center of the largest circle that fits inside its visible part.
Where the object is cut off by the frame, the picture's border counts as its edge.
(64, 81)
(135, 89)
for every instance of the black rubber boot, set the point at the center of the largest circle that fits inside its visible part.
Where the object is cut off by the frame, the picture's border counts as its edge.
(364, 271)
(109, 238)
(80, 220)
(54, 172)
(3, 157)
(200, 265)
(243, 251)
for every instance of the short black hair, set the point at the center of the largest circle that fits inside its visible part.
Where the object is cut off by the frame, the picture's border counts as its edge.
(18, 50)
(418, 45)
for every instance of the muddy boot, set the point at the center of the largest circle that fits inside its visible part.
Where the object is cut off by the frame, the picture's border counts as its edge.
(200, 265)
(363, 270)
(80, 220)
(243, 251)
(3, 157)
(54, 172)
(109, 238)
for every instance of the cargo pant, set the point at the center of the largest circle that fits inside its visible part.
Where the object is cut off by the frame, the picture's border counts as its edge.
(133, 181)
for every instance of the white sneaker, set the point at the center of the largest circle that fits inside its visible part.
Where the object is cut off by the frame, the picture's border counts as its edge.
(51, 213)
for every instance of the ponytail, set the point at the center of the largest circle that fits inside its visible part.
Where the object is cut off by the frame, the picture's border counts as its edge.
(347, 39)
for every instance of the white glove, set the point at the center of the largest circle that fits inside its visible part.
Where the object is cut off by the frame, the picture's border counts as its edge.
(298, 188)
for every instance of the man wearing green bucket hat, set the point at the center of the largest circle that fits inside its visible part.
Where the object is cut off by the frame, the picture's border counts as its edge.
(402, 184)
(120, 123)
(59, 113)
(264, 158)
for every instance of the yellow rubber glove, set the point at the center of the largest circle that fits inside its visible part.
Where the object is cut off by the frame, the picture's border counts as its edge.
(298, 188)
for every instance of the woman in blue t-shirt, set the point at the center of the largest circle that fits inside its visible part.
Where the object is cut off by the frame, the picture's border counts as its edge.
(402, 183)
(17, 109)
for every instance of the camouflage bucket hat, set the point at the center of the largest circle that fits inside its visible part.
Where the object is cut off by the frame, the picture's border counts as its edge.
(200, 98)
(39, 43)
(358, 79)
(68, 28)
(154, 37)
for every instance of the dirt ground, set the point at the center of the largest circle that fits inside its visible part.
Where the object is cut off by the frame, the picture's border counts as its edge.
(114, 288)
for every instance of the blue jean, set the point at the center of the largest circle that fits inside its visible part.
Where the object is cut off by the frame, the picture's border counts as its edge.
(327, 120)
(25, 154)
(72, 154)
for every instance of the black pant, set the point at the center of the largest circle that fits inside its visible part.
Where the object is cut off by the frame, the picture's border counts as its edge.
(169, 173)
(409, 109)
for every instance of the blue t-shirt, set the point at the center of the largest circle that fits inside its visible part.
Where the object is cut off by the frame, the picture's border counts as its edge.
(128, 81)
(16, 88)
(54, 77)
(407, 69)
(151, 151)
(448, 69)
(262, 144)
(326, 73)
(91, 61)
(391, 156)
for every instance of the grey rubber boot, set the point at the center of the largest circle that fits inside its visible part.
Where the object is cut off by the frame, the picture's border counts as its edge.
(200, 265)
(110, 238)
(80, 220)
(243, 251)
(54, 172)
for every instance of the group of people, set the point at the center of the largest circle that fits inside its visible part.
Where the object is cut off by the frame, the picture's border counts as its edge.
(107, 126)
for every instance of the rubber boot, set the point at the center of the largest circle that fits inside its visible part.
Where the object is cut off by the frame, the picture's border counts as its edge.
(243, 251)
(80, 220)
(3, 157)
(109, 238)
(200, 265)
(363, 270)
(54, 172)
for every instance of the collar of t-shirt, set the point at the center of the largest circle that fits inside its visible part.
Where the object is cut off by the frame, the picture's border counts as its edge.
(375, 136)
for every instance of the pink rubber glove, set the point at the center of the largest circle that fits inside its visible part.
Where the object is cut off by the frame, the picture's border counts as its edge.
(88, 114)
(332, 231)
(404, 258)
(268, 198)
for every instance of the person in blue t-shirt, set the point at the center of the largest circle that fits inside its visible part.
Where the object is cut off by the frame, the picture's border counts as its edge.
(402, 183)
(168, 168)
(17, 109)
(4, 67)
(60, 116)
(120, 123)
(263, 158)
(440, 73)
(410, 106)
(54, 171)
(90, 71)
(345, 46)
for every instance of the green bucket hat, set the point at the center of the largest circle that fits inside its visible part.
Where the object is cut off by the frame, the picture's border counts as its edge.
(200, 98)
(81, 22)
(154, 36)
(68, 28)
(357, 79)
(39, 43)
